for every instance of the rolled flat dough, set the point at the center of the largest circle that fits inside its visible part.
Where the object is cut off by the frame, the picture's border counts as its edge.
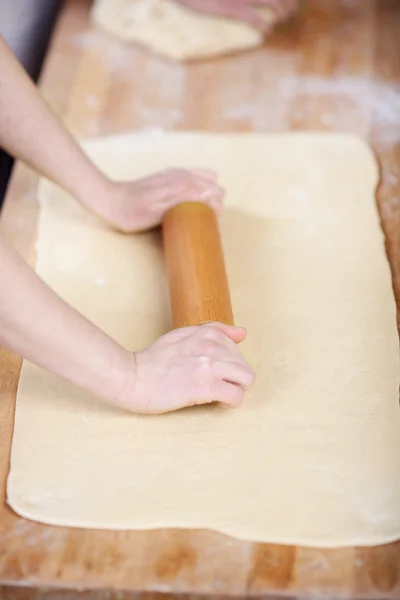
(313, 456)
(177, 32)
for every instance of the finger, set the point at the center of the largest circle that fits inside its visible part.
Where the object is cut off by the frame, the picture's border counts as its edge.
(179, 334)
(210, 337)
(185, 181)
(213, 199)
(202, 191)
(228, 394)
(207, 190)
(168, 202)
(208, 351)
(171, 199)
(207, 174)
(240, 374)
(235, 333)
(208, 342)
(175, 336)
(180, 185)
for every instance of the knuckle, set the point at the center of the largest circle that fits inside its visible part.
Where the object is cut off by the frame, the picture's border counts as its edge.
(211, 333)
(202, 333)
(209, 347)
(204, 363)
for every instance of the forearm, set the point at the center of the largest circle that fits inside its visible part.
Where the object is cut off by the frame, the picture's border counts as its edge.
(36, 324)
(31, 132)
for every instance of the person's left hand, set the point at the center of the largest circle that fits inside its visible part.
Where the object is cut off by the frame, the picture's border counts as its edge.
(139, 205)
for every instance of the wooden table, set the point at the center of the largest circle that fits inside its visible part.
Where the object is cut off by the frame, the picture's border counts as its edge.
(338, 70)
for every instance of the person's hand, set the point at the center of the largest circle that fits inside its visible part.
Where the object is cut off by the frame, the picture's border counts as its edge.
(186, 367)
(245, 10)
(138, 205)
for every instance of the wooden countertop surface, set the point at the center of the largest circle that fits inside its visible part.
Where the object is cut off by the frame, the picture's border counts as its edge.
(338, 70)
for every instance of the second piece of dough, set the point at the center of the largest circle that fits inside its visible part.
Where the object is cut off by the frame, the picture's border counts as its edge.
(173, 30)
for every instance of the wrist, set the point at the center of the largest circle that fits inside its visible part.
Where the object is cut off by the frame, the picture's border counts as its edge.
(122, 380)
(104, 368)
(95, 193)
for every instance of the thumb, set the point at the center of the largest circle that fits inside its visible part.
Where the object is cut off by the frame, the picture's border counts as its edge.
(236, 334)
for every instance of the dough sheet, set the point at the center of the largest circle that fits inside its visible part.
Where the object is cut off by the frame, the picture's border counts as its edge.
(313, 455)
(175, 31)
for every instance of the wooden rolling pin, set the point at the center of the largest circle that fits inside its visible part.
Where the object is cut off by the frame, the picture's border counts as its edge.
(195, 265)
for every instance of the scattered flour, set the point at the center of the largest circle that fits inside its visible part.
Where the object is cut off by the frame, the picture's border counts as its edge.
(378, 98)
(354, 104)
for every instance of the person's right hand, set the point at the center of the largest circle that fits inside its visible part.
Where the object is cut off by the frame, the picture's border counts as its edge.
(189, 366)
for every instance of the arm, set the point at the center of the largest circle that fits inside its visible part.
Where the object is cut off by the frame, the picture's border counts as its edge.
(30, 131)
(195, 365)
(36, 324)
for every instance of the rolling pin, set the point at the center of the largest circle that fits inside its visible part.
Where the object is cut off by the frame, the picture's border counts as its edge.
(195, 265)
